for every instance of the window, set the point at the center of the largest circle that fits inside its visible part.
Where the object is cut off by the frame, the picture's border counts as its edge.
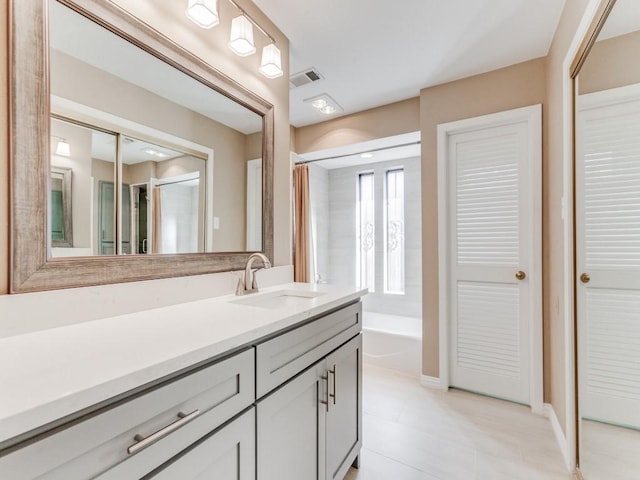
(365, 232)
(394, 232)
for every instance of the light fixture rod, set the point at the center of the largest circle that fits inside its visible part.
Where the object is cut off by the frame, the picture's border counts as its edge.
(255, 24)
(371, 150)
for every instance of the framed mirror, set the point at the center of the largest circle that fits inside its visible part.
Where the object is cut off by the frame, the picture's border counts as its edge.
(607, 244)
(61, 214)
(170, 162)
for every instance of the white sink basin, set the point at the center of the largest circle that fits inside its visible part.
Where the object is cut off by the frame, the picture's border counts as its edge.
(280, 299)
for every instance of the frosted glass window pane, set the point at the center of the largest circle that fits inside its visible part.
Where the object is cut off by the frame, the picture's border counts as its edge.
(365, 231)
(394, 241)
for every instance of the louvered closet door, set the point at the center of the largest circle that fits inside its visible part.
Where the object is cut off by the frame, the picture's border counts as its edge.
(490, 195)
(608, 247)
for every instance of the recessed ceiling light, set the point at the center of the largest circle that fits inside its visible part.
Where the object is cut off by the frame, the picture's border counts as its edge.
(319, 103)
(366, 155)
(328, 109)
(324, 104)
(155, 153)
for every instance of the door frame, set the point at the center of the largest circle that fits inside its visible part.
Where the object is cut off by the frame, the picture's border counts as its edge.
(532, 115)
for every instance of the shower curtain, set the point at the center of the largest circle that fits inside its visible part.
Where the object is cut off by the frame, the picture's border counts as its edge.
(302, 239)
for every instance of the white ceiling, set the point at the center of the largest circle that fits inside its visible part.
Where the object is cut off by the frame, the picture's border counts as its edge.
(375, 52)
(623, 19)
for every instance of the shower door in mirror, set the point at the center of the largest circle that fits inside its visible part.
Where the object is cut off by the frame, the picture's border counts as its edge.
(163, 199)
(608, 249)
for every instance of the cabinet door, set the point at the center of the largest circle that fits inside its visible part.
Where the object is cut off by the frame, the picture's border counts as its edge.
(344, 422)
(291, 429)
(228, 454)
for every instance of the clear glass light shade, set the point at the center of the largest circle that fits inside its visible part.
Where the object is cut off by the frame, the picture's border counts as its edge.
(271, 65)
(63, 149)
(328, 109)
(319, 103)
(203, 13)
(241, 42)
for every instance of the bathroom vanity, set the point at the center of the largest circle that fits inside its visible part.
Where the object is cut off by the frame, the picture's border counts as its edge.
(263, 386)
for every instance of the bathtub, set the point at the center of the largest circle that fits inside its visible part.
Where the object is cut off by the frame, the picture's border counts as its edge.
(392, 341)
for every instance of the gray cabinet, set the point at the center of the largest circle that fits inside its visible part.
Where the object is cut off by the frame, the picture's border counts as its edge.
(344, 416)
(285, 408)
(290, 425)
(133, 437)
(311, 427)
(227, 454)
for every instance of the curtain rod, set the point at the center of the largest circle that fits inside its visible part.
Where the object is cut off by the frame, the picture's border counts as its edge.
(381, 149)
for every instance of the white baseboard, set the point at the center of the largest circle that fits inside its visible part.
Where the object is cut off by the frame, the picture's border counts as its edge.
(550, 413)
(432, 382)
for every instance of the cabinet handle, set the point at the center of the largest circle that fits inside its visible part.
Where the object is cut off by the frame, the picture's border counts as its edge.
(326, 377)
(333, 395)
(144, 442)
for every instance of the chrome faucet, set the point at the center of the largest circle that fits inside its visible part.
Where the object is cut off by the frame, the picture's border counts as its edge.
(250, 284)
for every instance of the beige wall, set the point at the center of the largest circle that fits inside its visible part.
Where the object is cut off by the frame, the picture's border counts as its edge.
(393, 119)
(552, 190)
(508, 88)
(253, 146)
(210, 45)
(611, 63)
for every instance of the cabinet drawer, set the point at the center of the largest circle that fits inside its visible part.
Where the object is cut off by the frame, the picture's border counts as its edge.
(98, 443)
(282, 357)
(228, 454)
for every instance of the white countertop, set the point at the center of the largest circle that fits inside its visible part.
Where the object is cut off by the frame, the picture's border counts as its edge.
(50, 374)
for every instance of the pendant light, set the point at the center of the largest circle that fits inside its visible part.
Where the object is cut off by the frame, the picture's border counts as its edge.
(241, 42)
(203, 13)
(271, 66)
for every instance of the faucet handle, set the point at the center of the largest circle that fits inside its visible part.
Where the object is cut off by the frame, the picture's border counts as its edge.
(240, 286)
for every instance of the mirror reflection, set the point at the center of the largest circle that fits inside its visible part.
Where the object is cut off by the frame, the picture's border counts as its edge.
(61, 226)
(160, 163)
(608, 249)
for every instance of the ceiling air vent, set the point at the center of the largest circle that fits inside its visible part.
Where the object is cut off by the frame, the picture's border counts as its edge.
(303, 78)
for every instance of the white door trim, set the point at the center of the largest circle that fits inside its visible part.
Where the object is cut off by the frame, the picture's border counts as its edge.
(532, 115)
(608, 98)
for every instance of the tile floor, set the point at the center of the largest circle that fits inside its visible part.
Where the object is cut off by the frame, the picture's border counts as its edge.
(415, 433)
(609, 452)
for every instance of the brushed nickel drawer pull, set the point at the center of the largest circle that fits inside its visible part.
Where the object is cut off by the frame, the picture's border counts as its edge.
(326, 377)
(333, 395)
(144, 442)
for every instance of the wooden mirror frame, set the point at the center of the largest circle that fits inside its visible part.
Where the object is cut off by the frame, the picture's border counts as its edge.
(29, 149)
